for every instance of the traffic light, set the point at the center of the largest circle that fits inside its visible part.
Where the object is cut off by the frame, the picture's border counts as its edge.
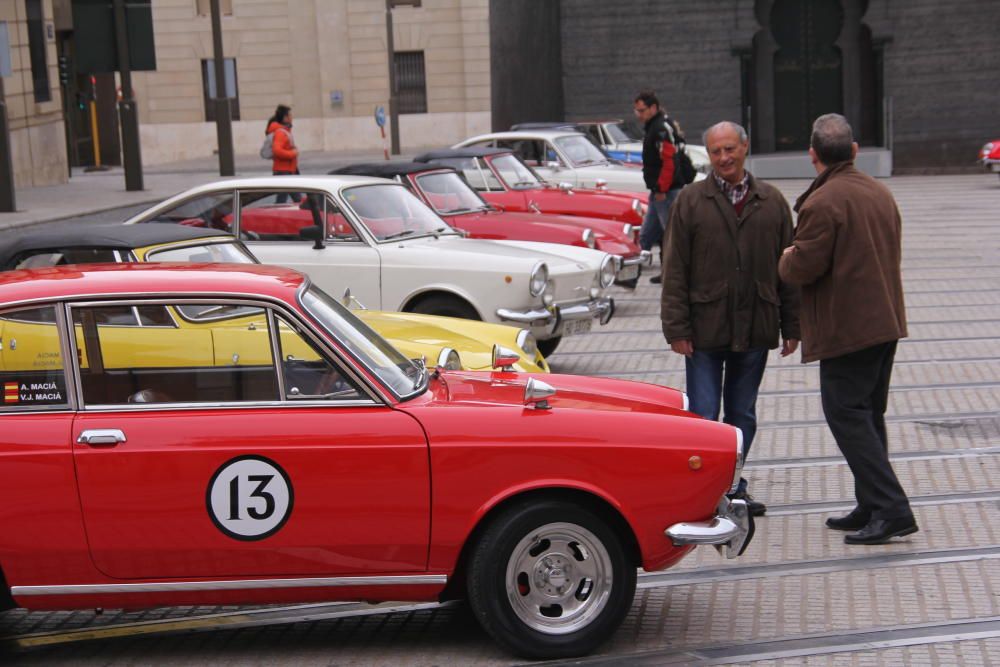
(64, 70)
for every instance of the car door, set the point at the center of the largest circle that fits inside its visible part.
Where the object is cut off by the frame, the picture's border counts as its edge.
(42, 537)
(308, 232)
(277, 463)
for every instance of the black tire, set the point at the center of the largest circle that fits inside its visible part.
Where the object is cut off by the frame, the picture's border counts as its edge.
(446, 306)
(549, 345)
(570, 580)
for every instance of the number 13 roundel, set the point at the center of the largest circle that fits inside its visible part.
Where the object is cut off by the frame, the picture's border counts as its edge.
(249, 497)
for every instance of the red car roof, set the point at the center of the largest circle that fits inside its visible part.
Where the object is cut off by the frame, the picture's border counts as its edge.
(71, 281)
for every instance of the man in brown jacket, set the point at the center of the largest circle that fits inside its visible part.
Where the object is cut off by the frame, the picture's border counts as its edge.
(846, 257)
(723, 305)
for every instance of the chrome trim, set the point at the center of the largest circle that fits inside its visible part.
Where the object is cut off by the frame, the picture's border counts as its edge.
(601, 308)
(613, 261)
(442, 359)
(540, 266)
(644, 257)
(738, 472)
(102, 436)
(729, 530)
(687, 402)
(244, 584)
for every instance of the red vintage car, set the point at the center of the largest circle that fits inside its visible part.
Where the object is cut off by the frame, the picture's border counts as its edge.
(989, 156)
(449, 194)
(276, 449)
(503, 179)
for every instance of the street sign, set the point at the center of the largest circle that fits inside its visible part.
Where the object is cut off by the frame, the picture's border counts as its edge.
(380, 116)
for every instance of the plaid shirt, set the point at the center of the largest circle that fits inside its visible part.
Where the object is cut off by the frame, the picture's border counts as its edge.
(734, 193)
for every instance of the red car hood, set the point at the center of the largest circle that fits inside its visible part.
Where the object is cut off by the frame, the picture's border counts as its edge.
(609, 234)
(572, 391)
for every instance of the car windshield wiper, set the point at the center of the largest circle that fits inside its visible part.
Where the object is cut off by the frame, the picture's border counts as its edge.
(397, 235)
(525, 184)
(587, 163)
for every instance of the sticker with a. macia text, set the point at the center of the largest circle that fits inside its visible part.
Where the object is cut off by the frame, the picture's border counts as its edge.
(45, 392)
(249, 497)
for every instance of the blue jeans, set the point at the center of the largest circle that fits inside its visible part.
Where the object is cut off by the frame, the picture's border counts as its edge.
(731, 379)
(655, 222)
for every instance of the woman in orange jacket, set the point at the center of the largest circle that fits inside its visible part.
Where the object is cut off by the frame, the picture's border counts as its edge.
(286, 155)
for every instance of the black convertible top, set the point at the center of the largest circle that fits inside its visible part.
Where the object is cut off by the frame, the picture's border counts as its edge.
(385, 169)
(17, 243)
(468, 151)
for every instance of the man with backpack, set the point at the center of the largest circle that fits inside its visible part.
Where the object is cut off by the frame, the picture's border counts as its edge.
(659, 169)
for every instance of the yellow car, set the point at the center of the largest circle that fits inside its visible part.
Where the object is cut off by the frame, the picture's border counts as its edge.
(443, 341)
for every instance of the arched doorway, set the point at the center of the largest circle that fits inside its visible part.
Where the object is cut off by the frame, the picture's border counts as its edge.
(807, 67)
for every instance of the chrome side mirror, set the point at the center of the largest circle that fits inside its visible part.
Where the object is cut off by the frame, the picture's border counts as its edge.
(553, 165)
(601, 184)
(566, 187)
(504, 358)
(536, 392)
(349, 301)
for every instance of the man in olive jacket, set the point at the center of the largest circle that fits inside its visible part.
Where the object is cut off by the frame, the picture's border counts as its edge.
(723, 304)
(846, 256)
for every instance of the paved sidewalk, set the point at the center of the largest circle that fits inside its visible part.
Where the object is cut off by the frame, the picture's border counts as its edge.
(89, 193)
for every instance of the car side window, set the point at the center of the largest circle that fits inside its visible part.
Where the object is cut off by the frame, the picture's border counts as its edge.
(58, 256)
(213, 211)
(214, 361)
(308, 374)
(31, 365)
(338, 227)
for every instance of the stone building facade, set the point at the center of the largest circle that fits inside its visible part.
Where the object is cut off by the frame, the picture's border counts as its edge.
(916, 76)
(327, 59)
(31, 94)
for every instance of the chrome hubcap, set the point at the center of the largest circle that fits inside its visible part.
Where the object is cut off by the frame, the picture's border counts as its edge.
(559, 578)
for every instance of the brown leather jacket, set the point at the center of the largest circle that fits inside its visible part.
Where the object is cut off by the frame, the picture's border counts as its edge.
(847, 257)
(720, 280)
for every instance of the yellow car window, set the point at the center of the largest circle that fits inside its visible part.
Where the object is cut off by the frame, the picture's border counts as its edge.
(31, 368)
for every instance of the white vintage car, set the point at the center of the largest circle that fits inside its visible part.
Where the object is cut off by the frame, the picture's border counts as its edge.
(372, 236)
(567, 156)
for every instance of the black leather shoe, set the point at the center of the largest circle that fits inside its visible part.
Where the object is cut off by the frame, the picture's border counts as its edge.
(856, 520)
(657, 279)
(880, 531)
(755, 507)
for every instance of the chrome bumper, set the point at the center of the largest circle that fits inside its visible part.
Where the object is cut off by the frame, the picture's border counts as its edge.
(602, 309)
(644, 257)
(729, 531)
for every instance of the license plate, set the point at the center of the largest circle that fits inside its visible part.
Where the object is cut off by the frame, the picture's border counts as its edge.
(629, 272)
(573, 327)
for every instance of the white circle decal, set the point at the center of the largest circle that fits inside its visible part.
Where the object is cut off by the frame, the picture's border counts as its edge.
(249, 498)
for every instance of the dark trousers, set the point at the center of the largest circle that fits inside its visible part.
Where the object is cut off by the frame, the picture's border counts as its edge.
(729, 380)
(855, 391)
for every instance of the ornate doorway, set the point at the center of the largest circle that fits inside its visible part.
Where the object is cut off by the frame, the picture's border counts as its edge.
(808, 67)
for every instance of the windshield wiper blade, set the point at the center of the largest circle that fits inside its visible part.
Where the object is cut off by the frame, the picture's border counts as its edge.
(397, 235)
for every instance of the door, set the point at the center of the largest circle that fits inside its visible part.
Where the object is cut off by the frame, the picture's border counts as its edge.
(225, 471)
(808, 78)
(282, 227)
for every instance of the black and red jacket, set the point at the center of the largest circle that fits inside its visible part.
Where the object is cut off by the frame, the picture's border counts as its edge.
(658, 151)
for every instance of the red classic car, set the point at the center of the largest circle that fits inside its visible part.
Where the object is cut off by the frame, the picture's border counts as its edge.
(449, 194)
(989, 156)
(276, 449)
(503, 179)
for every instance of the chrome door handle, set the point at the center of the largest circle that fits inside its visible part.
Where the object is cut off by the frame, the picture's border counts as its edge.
(101, 436)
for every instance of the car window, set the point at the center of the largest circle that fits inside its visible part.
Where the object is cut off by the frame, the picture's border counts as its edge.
(57, 256)
(213, 211)
(623, 133)
(219, 362)
(31, 366)
(225, 251)
(475, 171)
(534, 152)
(515, 173)
(307, 373)
(580, 151)
(391, 212)
(448, 193)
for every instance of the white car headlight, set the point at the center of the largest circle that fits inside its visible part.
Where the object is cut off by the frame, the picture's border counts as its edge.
(986, 150)
(526, 341)
(449, 360)
(539, 279)
(627, 230)
(609, 267)
(588, 238)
